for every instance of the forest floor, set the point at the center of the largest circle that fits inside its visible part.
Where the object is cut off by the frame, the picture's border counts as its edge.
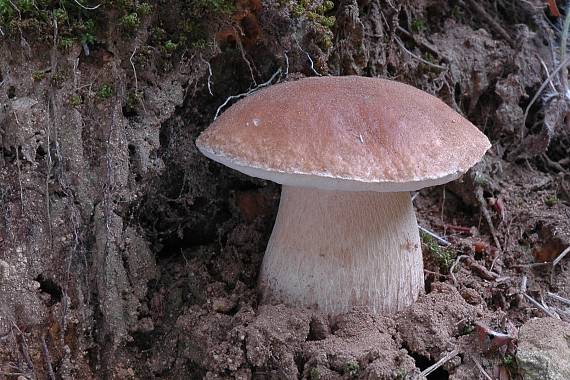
(126, 254)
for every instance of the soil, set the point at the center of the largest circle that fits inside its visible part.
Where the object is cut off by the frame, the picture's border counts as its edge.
(125, 254)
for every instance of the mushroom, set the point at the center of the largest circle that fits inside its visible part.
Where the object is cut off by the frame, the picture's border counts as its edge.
(347, 150)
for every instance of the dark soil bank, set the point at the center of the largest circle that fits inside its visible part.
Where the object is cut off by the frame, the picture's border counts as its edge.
(126, 254)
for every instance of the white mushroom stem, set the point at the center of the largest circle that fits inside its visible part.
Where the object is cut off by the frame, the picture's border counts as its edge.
(334, 250)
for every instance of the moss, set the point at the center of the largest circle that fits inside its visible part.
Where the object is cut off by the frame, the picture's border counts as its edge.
(202, 44)
(200, 7)
(87, 39)
(443, 256)
(314, 374)
(400, 374)
(75, 100)
(551, 200)
(297, 10)
(87, 32)
(38, 75)
(134, 98)
(7, 12)
(130, 22)
(158, 35)
(326, 42)
(468, 328)
(37, 16)
(325, 7)
(418, 25)
(144, 9)
(351, 369)
(170, 47)
(509, 361)
(105, 91)
(124, 5)
(65, 43)
(59, 78)
(317, 13)
(60, 15)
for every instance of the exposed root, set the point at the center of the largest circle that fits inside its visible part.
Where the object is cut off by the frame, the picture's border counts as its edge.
(87, 8)
(309, 58)
(243, 95)
(487, 216)
(47, 359)
(477, 7)
(25, 350)
(244, 55)
(424, 61)
(210, 82)
(18, 165)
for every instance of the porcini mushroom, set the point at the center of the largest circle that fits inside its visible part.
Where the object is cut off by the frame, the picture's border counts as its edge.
(347, 150)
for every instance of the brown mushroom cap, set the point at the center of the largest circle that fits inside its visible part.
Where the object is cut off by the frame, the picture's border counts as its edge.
(345, 133)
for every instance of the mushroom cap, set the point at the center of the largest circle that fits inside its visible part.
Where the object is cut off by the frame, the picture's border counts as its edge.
(346, 133)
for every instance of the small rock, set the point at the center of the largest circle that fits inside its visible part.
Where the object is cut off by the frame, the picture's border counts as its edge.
(319, 327)
(223, 305)
(145, 325)
(544, 349)
(471, 296)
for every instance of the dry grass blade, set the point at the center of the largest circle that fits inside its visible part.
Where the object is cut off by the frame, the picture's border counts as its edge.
(440, 362)
(441, 240)
(561, 256)
(459, 258)
(540, 89)
(541, 307)
(481, 369)
(558, 298)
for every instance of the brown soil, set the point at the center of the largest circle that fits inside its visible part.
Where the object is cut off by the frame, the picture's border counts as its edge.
(126, 254)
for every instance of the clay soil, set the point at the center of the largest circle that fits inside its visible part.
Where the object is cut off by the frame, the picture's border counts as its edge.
(125, 254)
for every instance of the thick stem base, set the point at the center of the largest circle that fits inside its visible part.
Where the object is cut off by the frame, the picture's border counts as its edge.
(334, 250)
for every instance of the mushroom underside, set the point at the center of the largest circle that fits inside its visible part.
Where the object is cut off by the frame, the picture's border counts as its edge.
(333, 250)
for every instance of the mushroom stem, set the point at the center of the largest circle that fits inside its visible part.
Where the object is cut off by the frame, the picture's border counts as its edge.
(334, 250)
